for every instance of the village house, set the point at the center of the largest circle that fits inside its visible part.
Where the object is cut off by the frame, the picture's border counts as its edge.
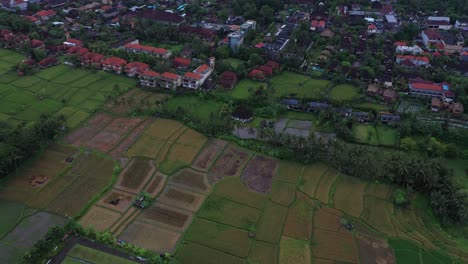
(80, 51)
(403, 48)
(195, 79)
(170, 80)
(389, 95)
(114, 64)
(318, 25)
(441, 23)
(45, 15)
(462, 24)
(137, 48)
(33, 19)
(317, 106)
(291, 104)
(257, 75)
(136, 68)
(48, 62)
(149, 79)
(181, 63)
(13, 4)
(228, 79)
(410, 60)
(420, 87)
(371, 29)
(93, 59)
(374, 90)
(432, 38)
(436, 104)
(362, 116)
(456, 109)
(73, 43)
(37, 44)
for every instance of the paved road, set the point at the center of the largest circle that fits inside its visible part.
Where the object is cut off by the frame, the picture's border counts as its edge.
(72, 241)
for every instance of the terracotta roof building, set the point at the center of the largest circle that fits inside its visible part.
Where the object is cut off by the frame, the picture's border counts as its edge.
(170, 80)
(114, 64)
(228, 79)
(149, 78)
(136, 68)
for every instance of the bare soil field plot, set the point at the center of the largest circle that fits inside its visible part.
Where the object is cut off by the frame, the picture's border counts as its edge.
(233, 189)
(262, 252)
(120, 149)
(181, 198)
(381, 191)
(116, 200)
(282, 193)
(328, 219)
(167, 217)
(192, 180)
(163, 128)
(259, 173)
(224, 238)
(377, 213)
(209, 154)
(293, 251)
(270, 225)
(311, 177)
(81, 135)
(156, 184)
(151, 237)
(192, 138)
(123, 125)
(299, 221)
(336, 246)
(288, 172)
(179, 156)
(349, 196)
(135, 175)
(103, 141)
(228, 212)
(124, 221)
(230, 163)
(374, 250)
(145, 146)
(198, 254)
(323, 189)
(100, 218)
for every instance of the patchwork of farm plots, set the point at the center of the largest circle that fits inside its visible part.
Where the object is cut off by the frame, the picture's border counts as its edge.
(75, 93)
(215, 202)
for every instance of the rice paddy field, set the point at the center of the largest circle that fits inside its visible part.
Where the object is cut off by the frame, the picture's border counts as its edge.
(214, 202)
(75, 93)
(376, 135)
(298, 85)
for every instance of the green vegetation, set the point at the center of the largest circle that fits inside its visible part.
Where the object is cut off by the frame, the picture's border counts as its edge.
(344, 92)
(375, 135)
(242, 89)
(299, 86)
(87, 254)
(200, 108)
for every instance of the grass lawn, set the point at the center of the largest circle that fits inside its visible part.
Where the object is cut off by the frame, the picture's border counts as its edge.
(365, 134)
(233, 62)
(241, 90)
(11, 213)
(344, 92)
(460, 171)
(95, 256)
(198, 107)
(298, 85)
(371, 106)
(387, 136)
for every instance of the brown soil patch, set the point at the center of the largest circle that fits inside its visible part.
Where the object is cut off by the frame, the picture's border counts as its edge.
(122, 125)
(125, 220)
(118, 151)
(181, 198)
(99, 120)
(38, 180)
(328, 219)
(374, 250)
(298, 224)
(334, 245)
(151, 237)
(117, 200)
(119, 105)
(192, 180)
(99, 218)
(209, 154)
(81, 136)
(259, 173)
(103, 141)
(135, 175)
(229, 163)
(156, 184)
(165, 216)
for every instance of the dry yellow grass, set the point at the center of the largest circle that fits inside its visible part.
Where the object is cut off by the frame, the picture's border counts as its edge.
(100, 218)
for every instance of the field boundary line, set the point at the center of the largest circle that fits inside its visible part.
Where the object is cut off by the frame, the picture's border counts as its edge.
(123, 137)
(218, 249)
(319, 181)
(218, 156)
(331, 192)
(236, 202)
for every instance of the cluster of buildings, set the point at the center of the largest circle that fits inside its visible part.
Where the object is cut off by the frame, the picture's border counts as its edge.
(236, 38)
(263, 71)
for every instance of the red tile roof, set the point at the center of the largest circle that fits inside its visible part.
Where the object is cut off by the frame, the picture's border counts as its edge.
(36, 43)
(202, 68)
(371, 27)
(182, 62)
(314, 23)
(114, 61)
(259, 45)
(139, 66)
(170, 75)
(321, 23)
(192, 75)
(400, 43)
(150, 73)
(74, 41)
(432, 34)
(46, 13)
(31, 18)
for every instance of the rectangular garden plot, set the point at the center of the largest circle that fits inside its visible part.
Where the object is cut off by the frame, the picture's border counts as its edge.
(378, 215)
(374, 250)
(259, 173)
(209, 154)
(100, 218)
(328, 219)
(336, 246)
(181, 198)
(120, 149)
(262, 252)
(378, 190)
(117, 200)
(198, 254)
(311, 177)
(326, 182)
(233, 189)
(349, 196)
(224, 238)
(156, 184)
(294, 251)
(135, 175)
(167, 217)
(230, 163)
(178, 157)
(299, 221)
(282, 193)
(225, 211)
(288, 172)
(270, 225)
(192, 180)
(103, 141)
(151, 237)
